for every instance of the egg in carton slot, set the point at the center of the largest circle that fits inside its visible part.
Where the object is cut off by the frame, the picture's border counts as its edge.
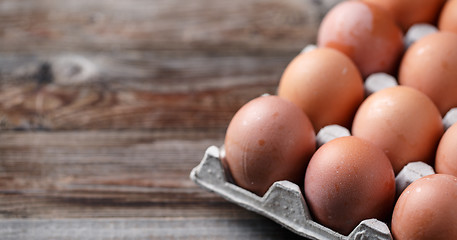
(284, 201)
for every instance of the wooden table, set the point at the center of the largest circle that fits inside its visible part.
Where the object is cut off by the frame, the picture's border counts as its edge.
(106, 106)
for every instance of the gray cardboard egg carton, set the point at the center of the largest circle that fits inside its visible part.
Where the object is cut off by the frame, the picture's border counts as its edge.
(284, 202)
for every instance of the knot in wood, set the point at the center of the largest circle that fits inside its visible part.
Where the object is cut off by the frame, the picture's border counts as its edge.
(73, 69)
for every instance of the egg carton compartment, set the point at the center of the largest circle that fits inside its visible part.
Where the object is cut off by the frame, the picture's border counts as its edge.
(418, 31)
(285, 204)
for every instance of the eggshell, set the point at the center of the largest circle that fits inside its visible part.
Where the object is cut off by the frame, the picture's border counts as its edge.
(429, 65)
(269, 139)
(349, 180)
(409, 12)
(446, 155)
(427, 209)
(401, 121)
(364, 32)
(325, 84)
(448, 17)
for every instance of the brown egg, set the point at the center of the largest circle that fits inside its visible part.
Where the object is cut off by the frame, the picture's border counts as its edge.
(349, 180)
(427, 209)
(401, 121)
(429, 65)
(364, 32)
(325, 84)
(269, 139)
(446, 155)
(448, 17)
(409, 12)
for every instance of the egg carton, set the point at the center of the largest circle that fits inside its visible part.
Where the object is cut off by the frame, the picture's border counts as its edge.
(284, 202)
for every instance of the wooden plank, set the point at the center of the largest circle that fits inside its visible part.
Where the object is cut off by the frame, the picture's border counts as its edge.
(131, 92)
(253, 25)
(107, 229)
(62, 108)
(155, 71)
(105, 174)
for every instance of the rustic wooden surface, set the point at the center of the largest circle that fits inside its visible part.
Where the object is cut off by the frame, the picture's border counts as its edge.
(106, 106)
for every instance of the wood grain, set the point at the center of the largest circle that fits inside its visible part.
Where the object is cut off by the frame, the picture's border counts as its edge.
(106, 106)
(142, 229)
(137, 64)
(62, 108)
(101, 174)
(203, 25)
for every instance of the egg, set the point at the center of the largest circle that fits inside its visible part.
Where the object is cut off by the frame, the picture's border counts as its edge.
(446, 154)
(403, 122)
(325, 84)
(349, 180)
(427, 209)
(448, 17)
(429, 65)
(409, 12)
(269, 139)
(364, 32)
